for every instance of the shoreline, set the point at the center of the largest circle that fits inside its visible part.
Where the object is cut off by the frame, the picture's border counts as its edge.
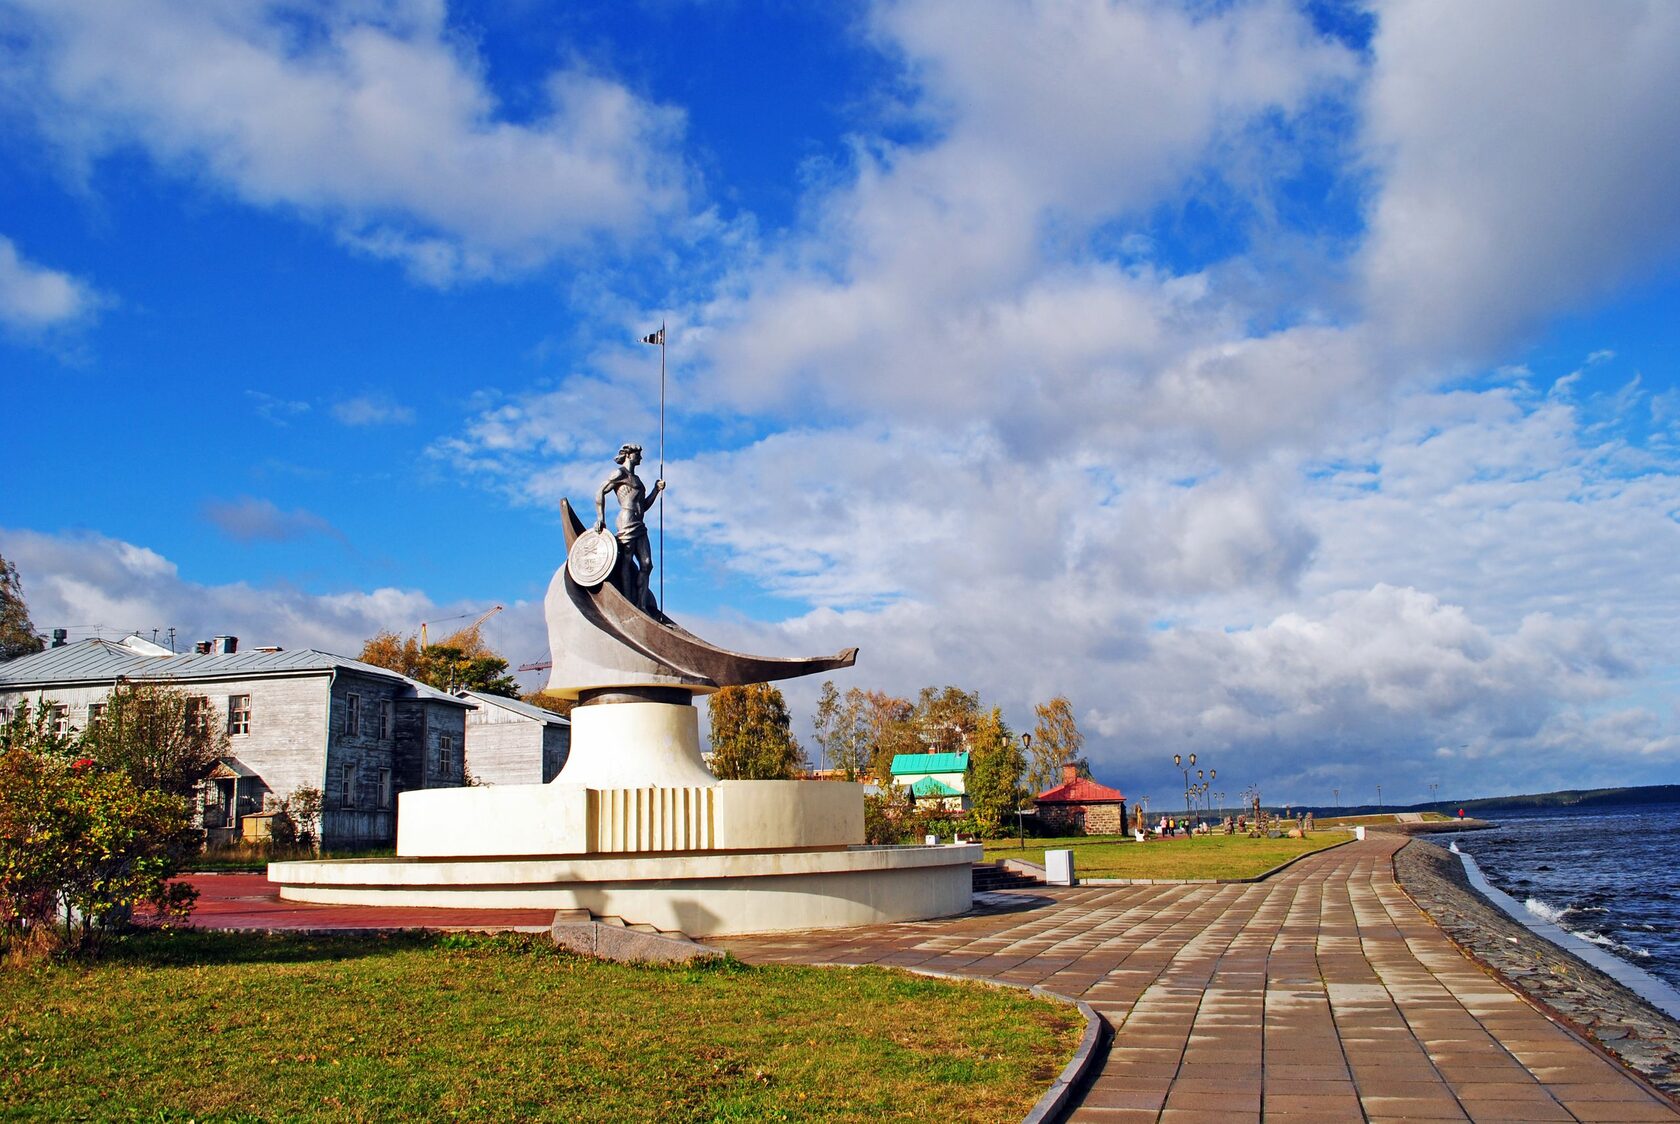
(1600, 1008)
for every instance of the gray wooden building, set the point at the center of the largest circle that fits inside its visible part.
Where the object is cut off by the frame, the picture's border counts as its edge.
(295, 719)
(513, 742)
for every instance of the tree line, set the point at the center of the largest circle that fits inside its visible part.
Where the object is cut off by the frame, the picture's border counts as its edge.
(859, 732)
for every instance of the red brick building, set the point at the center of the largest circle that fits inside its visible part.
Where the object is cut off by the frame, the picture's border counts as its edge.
(1081, 805)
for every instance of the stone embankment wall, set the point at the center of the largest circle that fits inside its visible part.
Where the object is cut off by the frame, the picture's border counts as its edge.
(1598, 1007)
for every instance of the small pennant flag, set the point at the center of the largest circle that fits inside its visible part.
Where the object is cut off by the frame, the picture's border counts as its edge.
(657, 339)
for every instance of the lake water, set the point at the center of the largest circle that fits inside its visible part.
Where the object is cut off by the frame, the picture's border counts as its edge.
(1608, 875)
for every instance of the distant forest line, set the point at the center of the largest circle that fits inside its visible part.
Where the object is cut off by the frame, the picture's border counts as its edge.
(1567, 798)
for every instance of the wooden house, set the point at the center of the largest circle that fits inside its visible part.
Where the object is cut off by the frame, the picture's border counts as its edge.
(295, 719)
(514, 742)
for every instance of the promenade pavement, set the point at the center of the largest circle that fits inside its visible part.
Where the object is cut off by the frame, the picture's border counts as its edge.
(1319, 995)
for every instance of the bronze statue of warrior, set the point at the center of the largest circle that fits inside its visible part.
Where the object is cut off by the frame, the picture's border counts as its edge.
(635, 557)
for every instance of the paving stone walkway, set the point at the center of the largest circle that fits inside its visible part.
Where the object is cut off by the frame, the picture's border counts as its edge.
(1320, 995)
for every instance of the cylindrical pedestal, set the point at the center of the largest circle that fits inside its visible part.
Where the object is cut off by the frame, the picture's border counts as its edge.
(636, 745)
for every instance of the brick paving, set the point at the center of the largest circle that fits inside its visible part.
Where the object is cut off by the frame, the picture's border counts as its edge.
(1320, 995)
(251, 901)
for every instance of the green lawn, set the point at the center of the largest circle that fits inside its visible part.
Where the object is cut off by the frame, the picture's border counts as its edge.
(1210, 856)
(235, 1026)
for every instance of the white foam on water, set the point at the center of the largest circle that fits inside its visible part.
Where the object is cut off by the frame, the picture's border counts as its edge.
(1545, 911)
(1587, 946)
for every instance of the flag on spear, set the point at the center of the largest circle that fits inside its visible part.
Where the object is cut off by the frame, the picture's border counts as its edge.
(657, 338)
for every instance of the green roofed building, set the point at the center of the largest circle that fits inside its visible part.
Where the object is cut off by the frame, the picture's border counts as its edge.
(934, 776)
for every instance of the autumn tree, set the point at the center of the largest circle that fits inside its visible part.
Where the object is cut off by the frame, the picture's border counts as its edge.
(996, 766)
(751, 735)
(1056, 742)
(165, 739)
(460, 661)
(945, 718)
(562, 707)
(17, 632)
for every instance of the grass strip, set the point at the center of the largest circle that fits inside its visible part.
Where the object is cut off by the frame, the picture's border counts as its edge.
(250, 1026)
(1207, 856)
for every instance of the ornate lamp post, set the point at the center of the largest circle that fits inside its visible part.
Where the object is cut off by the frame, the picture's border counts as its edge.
(1178, 761)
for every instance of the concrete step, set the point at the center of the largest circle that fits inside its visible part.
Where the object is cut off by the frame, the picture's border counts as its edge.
(611, 938)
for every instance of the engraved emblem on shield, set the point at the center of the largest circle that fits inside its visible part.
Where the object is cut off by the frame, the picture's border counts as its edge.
(592, 558)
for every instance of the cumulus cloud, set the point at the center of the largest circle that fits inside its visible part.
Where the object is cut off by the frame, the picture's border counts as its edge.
(994, 442)
(90, 583)
(249, 519)
(34, 298)
(376, 118)
(1527, 154)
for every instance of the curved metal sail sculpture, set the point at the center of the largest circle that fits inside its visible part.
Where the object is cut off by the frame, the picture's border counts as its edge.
(600, 640)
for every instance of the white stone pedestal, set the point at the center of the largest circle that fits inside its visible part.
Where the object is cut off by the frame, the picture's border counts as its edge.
(636, 745)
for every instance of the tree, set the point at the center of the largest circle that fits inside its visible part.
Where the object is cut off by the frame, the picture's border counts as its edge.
(890, 727)
(165, 739)
(562, 707)
(460, 661)
(842, 729)
(17, 632)
(1056, 742)
(945, 718)
(751, 735)
(995, 769)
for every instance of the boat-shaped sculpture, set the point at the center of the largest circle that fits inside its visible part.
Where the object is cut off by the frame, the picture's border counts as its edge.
(636, 827)
(600, 639)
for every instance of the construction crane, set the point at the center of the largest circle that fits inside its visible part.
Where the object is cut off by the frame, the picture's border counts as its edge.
(539, 665)
(482, 617)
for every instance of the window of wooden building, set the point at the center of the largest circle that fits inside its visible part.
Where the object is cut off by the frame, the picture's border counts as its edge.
(347, 790)
(239, 714)
(353, 715)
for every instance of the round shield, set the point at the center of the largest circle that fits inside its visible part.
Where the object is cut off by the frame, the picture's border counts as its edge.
(592, 558)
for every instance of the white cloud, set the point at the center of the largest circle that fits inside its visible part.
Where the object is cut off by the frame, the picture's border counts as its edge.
(88, 582)
(1215, 506)
(1528, 154)
(34, 297)
(376, 118)
(372, 409)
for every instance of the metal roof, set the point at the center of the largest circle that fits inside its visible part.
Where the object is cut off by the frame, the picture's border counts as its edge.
(930, 763)
(517, 706)
(933, 786)
(95, 661)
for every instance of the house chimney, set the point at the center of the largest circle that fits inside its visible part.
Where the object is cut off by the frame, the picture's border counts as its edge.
(225, 645)
(60, 637)
(1070, 773)
(202, 647)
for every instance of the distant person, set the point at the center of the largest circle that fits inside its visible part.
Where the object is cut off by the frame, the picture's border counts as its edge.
(1461, 813)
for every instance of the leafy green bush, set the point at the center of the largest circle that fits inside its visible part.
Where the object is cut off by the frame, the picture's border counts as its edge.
(80, 843)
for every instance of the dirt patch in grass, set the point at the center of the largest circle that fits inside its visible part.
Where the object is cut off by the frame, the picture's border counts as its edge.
(1211, 856)
(251, 1026)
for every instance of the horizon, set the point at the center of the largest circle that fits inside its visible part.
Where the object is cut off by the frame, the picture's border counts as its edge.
(1291, 384)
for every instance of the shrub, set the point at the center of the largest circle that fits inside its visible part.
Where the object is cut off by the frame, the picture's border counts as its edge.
(81, 844)
(297, 825)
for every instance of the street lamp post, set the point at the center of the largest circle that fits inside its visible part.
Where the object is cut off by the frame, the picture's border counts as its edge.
(1020, 825)
(1379, 797)
(1178, 761)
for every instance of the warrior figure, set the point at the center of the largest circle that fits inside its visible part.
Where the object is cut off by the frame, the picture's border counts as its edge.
(635, 558)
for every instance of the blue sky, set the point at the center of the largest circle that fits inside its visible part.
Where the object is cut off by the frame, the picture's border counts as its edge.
(1295, 384)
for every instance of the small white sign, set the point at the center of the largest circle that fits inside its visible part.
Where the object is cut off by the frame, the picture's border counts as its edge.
(1058, 868)
(931, 840)
(1359, 832)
